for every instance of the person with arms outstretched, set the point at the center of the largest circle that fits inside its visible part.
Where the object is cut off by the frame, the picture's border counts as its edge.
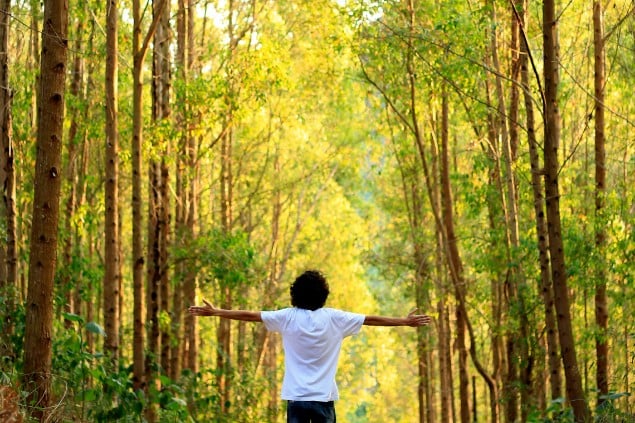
(312, 338)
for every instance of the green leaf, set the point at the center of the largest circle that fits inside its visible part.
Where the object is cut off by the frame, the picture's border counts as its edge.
(95, 328)
(73, 317)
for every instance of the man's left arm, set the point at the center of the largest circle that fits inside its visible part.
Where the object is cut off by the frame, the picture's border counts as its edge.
(412, 319)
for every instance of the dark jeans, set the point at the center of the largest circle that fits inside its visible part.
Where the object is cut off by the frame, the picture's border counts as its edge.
(310, 412)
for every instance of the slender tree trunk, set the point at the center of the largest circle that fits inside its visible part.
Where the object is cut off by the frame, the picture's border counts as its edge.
(161, 91)
(8, 221)
(177, 347)
(601, 301)
(153, 286)
(141, 361)
(143, 373)
(138, 261)
(226, 188)
(575, 393)
(537, 172)
(454, 261)
(192, 219)
(43, 256)
(76, 92)
(496, 208)
(112, 270)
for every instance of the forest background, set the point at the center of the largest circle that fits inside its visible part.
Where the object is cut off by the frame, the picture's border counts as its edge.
(473, 159)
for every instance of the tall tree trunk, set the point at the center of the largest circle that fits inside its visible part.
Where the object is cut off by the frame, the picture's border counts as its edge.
(153, 286)
(76, 92)
(142, 362)
(224, 328)
(496, 209)
(546, 286)
(43, 255)
(161, 107)
(454, 260)
(575, 393)
(8, 221)
(223, 366)
(191, 329)
(177, 346)
(601, 301)
(138, 260)
(112, 270)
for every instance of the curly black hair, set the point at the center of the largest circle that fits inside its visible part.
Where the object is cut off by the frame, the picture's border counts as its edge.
(309, 290)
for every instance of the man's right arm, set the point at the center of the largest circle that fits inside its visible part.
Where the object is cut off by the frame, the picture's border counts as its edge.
(210, 310)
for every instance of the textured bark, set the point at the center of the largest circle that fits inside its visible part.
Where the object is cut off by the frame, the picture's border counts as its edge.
(161, 114)
(43, 254)
(575, 393)
(73, 141)
(112, 266)
(191, 335)
(8, 220)
(142, 363)
(454, 261)
(537, 172)
(601, 301)
(223, 335)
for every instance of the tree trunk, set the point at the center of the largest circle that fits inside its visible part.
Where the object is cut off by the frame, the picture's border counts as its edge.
(43, 255)
(226, 190)
(192, 219)
(601, 301)
(496, 209)
(161, 107)
(575, 393)
(153, 286)
(141, 363)
(138, 261)
(144, 300)
(76, 91)
(454, 260)
(8, 220)
(537, 172)
(177, 347)
(112, 269)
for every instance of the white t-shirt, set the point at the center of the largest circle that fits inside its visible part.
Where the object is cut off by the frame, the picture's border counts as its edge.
(312, 341)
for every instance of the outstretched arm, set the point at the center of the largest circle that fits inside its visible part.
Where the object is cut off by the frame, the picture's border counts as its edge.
(414, 320)
(209, 310)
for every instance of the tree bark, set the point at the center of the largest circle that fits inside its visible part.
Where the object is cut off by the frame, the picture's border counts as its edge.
(537, 172)
(223, 334)
(575, 393)
(141, 362)
(601, 301)
(138, 260)
(76, 91)
(8, 220)
(43, 255)
(161, 107)
(112, 266)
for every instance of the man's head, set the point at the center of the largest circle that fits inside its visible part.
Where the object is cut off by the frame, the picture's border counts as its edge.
(309, 290)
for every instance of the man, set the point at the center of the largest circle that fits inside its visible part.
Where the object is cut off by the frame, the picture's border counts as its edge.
(312, 337)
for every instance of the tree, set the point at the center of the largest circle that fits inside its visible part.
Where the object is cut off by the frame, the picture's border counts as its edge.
(542, 235)
(575, 393)
(43, 255)
(601, 301)
(112, 274)
(139, 51)
(8, 252)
